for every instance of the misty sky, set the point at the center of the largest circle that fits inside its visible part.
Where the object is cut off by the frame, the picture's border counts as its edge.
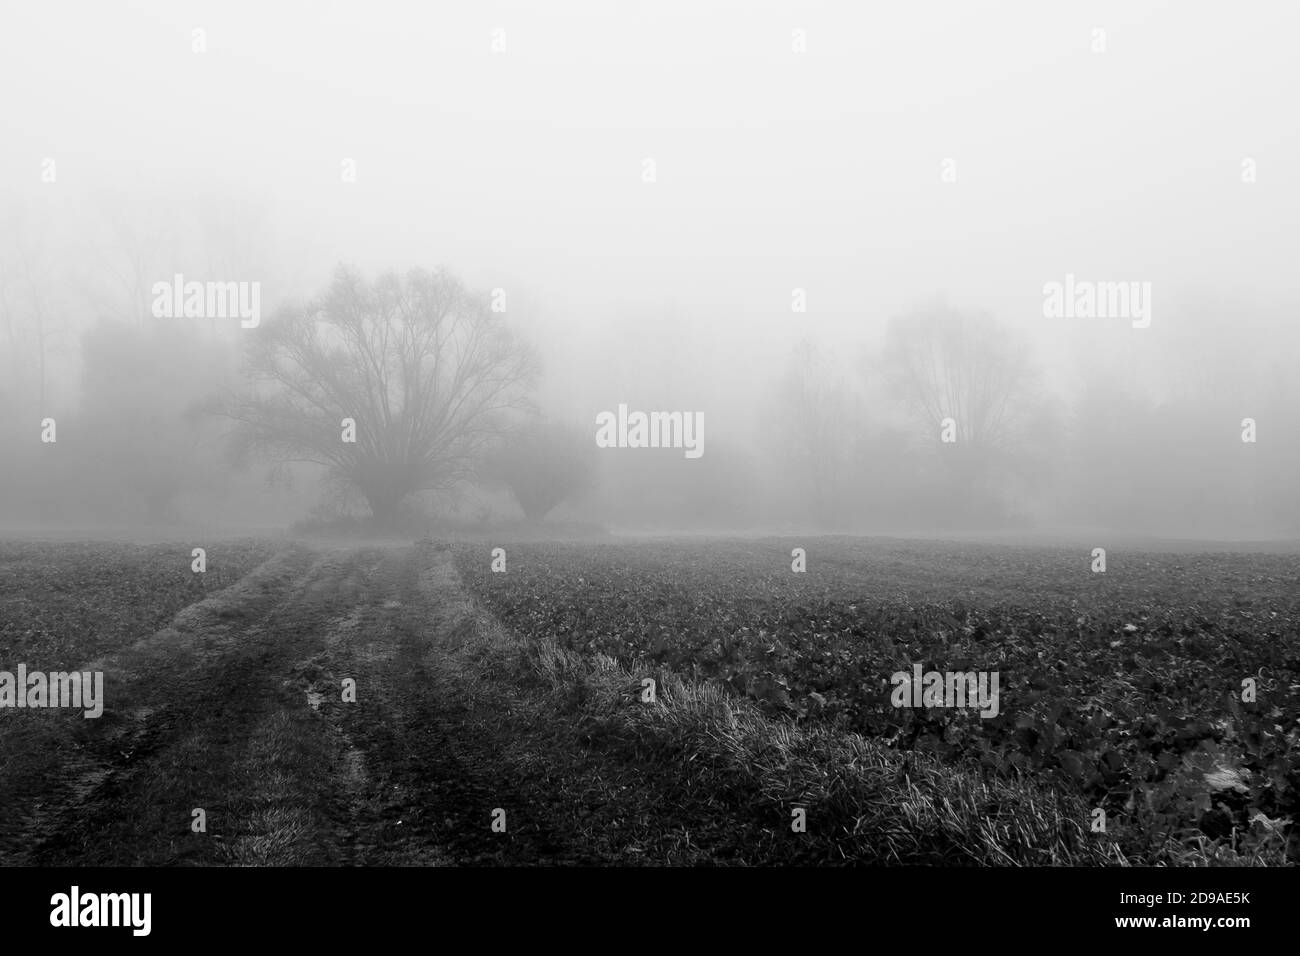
(775, 170)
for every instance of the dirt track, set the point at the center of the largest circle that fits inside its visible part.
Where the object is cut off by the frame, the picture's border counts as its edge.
(237, 708)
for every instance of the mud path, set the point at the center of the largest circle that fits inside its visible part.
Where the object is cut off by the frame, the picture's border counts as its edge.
(237, 709)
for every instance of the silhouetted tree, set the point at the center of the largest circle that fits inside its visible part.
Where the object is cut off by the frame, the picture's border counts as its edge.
(141, 442)
(543, 465)
(814, 416)
(428, 373)
(945, 364)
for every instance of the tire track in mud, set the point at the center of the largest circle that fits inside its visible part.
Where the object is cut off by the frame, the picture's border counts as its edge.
(435, 764)
(68, 763)
(183, 711)
(236, 708)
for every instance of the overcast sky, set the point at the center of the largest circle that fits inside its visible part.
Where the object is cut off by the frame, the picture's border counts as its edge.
(775, 169)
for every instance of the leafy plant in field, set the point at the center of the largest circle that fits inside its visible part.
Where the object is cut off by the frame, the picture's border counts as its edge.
(1128, 695)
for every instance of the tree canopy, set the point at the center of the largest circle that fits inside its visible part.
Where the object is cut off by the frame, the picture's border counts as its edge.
(428, 374)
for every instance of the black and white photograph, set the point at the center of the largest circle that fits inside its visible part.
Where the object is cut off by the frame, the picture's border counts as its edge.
(853, 441)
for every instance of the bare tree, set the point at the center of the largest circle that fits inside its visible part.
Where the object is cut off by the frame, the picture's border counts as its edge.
(142, 443)
(133, 254)
(26, 279)
(427, 372)
(944, 364)
(544, 464)
(963, 366)
(814, 414)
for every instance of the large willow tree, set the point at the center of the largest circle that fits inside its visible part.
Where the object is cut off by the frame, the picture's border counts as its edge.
(428, 373)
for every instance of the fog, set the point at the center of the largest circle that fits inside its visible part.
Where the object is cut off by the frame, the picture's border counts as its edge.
(822, 230)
